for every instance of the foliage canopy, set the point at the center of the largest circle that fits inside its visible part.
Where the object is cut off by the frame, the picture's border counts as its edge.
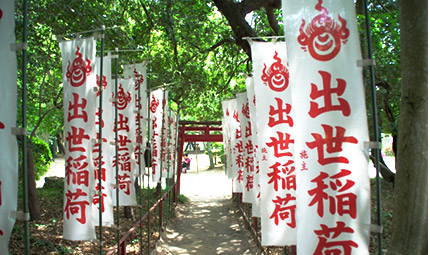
(192, 47)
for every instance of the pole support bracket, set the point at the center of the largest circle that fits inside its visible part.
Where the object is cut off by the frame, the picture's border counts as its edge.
(366, 62)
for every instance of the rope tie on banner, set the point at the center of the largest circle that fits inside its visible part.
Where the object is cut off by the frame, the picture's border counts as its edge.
(375, 228)
(97, 141)
(18, 131)
(366, 62)
(18, 46)
(20, 215)
(372, 145)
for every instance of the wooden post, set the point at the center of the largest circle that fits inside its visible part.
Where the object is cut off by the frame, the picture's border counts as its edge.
(197, 161)
(180, 155)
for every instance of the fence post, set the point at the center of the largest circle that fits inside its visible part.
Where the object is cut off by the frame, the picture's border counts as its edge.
(160, 212)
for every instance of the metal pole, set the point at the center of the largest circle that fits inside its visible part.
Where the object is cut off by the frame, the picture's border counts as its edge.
(375, 123)
(168, 159)
(161, 164)
(176, 158)
(197, 157)
(139, 140)
(100, 141)
(24, 125)
(118, 238)
(148, 92)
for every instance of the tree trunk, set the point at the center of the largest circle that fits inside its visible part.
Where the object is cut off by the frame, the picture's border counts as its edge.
(128, 212)
(60, 144)
(386, 172)
(411, 189)
(158, 190)
(33, 201)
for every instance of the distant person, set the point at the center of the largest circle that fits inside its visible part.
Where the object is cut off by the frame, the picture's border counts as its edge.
(185, 163)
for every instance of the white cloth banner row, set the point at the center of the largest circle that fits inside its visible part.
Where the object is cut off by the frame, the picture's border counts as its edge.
(8, 143)
(308, 129)
(82, 119)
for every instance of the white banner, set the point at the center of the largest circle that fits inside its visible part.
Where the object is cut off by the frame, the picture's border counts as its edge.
(138, 73)
(226, 136)
(156, 116)
(8, 144)
(247, 148)
(126, 143)
(165, 135)
(171, 160)
(250, 92)
(108, 150)
(333, 182)
(79, 79)
(275, 143)
(237, 146)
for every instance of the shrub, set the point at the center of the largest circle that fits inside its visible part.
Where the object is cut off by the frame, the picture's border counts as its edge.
(219, 151)
(42, 157)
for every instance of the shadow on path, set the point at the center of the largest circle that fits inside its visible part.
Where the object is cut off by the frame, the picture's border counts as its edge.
(209, 223)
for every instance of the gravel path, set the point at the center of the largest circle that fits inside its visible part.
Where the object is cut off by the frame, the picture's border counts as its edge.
(209, 223)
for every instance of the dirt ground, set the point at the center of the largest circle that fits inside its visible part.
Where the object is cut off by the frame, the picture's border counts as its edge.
(209, 223)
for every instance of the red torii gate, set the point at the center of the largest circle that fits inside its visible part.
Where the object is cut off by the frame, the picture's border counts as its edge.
(205, 127)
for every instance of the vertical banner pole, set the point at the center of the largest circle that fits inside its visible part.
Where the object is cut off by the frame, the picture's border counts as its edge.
(180, 156)
(24, 125)
(149, 163)
(178, 160)
(100, 141)
(140, 139)
(116, 153)
(375, 123)
(197, 157)
(161, 162)
(168, 158)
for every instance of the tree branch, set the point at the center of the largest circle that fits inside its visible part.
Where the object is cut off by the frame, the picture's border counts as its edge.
(148, 14)
(39, 122)
(235, 14)
(248, 6)
(232, 74)
(213, 47)
(216, 45)
(270, 12)
(170, 27)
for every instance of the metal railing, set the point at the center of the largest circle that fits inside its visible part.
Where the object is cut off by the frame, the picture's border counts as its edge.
(166, 200)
